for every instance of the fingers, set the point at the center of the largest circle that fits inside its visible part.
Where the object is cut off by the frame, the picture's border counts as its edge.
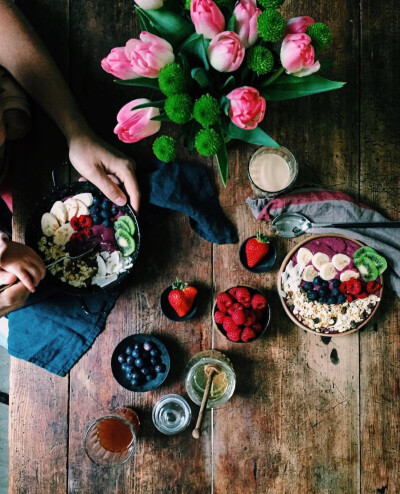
(111, 190)
(35, 274)
(13, 298)
(7, 278)
(128, 178)
(26, 279)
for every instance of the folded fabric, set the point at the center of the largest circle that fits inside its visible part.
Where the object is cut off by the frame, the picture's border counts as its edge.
(320, 205)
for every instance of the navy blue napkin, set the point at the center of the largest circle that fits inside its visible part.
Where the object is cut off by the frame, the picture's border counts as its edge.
(53, 331)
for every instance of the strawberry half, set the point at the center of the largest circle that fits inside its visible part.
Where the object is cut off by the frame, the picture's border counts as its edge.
(256, 249)
(181, 297)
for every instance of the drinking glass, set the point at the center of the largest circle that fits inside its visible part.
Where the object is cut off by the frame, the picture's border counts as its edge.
(171, 414)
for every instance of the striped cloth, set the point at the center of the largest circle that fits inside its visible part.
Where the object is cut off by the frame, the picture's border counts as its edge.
(320, 206)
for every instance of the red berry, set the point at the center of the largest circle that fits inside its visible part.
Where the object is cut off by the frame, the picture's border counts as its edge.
(238, 316)
(222, 307)
(225, 299)
(181, 297)
(76, 237)
(353, 286)
(219, 317)
(373, 286)
(343, 287)
(256, 248)
(74, 222)
(85, 221)
(247, 305)
(86, 232)
(229, 324)
(232, 292)
(258, 301)
(362, 295)
(250, 318)
(349, 298)
(257, 327)
(242, 295)
(248, 334)
(234, 335)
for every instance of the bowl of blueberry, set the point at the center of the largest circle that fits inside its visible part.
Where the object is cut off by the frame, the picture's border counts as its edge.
(140, 363)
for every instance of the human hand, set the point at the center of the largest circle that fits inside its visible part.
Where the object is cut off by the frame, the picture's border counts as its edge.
(14, 297)
(95, 160)
(23, 263)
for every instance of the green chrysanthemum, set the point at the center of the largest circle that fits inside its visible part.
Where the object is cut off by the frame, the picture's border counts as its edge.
(164, 147)
(206, 110)
(207, 142)
(271, 4)
(271, 25)
(320, 34)
(187, 4)
(172, 79)
(260, 60)
(178, 108)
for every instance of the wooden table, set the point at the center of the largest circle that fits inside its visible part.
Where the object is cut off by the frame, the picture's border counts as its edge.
(309, 415)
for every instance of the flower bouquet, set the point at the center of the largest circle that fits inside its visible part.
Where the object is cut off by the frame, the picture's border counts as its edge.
(215, 64)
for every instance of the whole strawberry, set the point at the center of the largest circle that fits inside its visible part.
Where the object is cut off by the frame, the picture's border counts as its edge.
(256, 249)
(181, 297)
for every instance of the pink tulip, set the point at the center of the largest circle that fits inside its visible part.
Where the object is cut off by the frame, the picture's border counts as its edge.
(246, 13)
(208, 20)
(247, 108)
(297, 55)
(134, 125)
(297, 25)
(226, 52)
(118, 64)
(149, 54)
(150, 4)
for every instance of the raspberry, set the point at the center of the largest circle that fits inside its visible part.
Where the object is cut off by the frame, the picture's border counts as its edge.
(229, 324)
(232, 292)
(343, 287)
(85, 221)
(259, 314)
(248, 334)
(250, 318)
(257, 327)
(362, 295)
(222, 307)
(258, 301)
(86, 232)
(349, 298)
(224, 298)
(238, 316)
(353, 286)
(234, 335)
(373, 286)
(242, 295)
(234, 307)
(219, 317)
(74, 222)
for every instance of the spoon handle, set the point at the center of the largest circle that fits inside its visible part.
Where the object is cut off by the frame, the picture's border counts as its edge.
(196, 431)
(382, 224)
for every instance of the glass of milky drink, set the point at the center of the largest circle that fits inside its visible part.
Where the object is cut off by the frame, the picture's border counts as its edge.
(272, 171)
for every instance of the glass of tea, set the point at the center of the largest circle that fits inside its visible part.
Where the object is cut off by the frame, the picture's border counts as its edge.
(111, 440)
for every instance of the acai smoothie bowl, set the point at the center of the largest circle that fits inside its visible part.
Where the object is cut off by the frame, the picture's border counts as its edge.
(77, 219)
(331, 284)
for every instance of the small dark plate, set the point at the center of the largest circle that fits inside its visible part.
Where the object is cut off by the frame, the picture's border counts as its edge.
(265, 264)
(169, 312)
(120, 374)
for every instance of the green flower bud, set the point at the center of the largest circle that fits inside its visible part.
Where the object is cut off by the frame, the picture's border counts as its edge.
(271, 25)
(206, 110)
(260, 60)
(178, 108)
(320, 35)
(271, 4)
(207, 142)
(172, 79)
(164, 147)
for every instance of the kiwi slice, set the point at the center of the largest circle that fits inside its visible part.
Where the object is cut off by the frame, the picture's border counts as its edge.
(359, 253)
(125, 242)
(379, 261)
(367, 268)
(125, 223)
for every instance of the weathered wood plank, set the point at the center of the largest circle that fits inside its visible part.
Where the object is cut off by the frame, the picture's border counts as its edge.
(380, 341)
(293, 424)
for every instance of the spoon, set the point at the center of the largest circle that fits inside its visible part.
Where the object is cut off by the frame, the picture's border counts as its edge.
(290, 225)
(210, 371)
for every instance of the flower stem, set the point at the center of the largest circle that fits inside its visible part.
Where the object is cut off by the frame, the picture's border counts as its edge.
(274, 77)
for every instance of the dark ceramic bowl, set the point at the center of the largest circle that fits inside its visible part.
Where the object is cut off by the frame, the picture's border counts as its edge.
(168, 310)
(120, 374)
(265, 264)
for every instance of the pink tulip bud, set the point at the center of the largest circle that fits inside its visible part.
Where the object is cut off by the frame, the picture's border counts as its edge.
(207, 18)
(246, 13)
(226, 52)
(134, 125)
(297, 55)
(247, 107)
(297, 25)
(118, 64)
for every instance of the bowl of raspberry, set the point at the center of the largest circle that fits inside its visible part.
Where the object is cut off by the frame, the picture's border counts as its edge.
(241, 314)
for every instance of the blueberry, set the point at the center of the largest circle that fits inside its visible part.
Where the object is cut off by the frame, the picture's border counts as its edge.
(107, 223)
(308, 286)
(137, 346)
(154, 360)
(317, 280)
(97, 219)
(94, 210)
(154, 352)
(341, 299)
(145, 370)
(129, 375)
(322, 300)
(136, 375)
(325, 284)
(336, 283)
(335, 292)
(128, 368)
(121, 358)
(139, 363)
(96, 200)
(149, 377)
(136, 353)
(128, 350)
(322, 290)
(147, 346)
(130, 359)
(332, 300)
(114, 210)
(106, 205)
(104, 214)
(135, 383)
(159, 368)
(123, 366)
(312, 295)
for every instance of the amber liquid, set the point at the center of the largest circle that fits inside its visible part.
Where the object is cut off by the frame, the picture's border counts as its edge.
(114, 435)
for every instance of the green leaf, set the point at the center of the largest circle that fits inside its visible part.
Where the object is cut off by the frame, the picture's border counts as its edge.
(182, 59)
(200, 76)
(289, 87)
(145, 22)
(256, 136)
(161, 118)
(224, 103)
(173, 27)
(139, 82)
(196, 45)
(231, 23)
(222, 158)
(230, 81)
(150, 104)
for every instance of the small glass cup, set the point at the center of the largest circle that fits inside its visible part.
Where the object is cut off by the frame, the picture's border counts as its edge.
(223, 384)
(171, 414)
(293, 169)
(111, 440)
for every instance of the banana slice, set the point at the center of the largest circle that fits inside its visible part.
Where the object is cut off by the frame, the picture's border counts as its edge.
(304, 256)
(340, 261)
(309, 273)
(319, 259)
(60, 212)
(49, 224)
(327, 271)
(350, 273)
(63, 234)
(82, 208)
(85, 197)
(71, 206)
